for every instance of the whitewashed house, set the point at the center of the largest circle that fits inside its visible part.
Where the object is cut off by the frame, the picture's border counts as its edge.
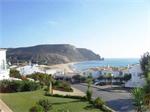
(114, 73)
(35, 68)
(4, 71)
(137, 79)
(93, 73)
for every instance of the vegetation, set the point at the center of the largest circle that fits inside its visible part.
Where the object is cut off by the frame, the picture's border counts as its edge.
(79, 79)
(63, 86)
(118, 80)
(36, 108)
(138, 99)
(23, 101)
(127, 77)
(98, 103)
(7, 86)
(89, 95)
(46, 104)
(43, 78)
(15, 73)
(89, 91)
(145, 63)
(142, 95)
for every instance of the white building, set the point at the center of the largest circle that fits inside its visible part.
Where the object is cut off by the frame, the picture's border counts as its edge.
(56, 72)
(29, 69)
(35, 68)
(137, 79)
(4, 71)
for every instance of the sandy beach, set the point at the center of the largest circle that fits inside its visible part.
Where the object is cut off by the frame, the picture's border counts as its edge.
(66, 67)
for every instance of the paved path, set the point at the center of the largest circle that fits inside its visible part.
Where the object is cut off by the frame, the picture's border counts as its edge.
(4, 107)
(76, 92)
(119, 100)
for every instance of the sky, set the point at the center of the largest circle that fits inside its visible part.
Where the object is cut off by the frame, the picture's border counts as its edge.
(111, 28)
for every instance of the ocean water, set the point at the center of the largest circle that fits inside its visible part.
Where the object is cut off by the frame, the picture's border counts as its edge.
(117, 62)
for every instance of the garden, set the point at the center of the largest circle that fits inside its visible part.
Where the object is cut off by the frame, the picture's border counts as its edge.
(24, 101)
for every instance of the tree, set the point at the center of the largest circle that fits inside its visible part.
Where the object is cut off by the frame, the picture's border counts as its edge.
(46, 104)
(89, 91)
(89, 95)
(77, 78)
(15, 73)
(109, 77)
(44, 79)
(127, 77)
(145, 63)
(147, 85)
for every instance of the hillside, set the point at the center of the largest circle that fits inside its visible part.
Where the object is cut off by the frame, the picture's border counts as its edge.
(50, 54)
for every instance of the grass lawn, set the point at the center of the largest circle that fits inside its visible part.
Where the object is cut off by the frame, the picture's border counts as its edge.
(21, 102)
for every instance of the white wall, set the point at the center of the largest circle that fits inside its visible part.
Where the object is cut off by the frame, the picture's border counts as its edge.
(29, 69)
(2, 59)
(136, 77)
(4, 72)
(135, 72)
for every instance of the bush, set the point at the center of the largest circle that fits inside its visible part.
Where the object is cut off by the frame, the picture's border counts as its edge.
(62, 86)
(98, 103)
(36, 108)
(46, 104)
(15, 73)
(7, 86)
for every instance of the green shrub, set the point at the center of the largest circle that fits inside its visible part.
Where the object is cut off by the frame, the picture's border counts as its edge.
(62, 86)
(98, 103)
(46, 104)
(36, 108)
(7, 86)
(15, 73)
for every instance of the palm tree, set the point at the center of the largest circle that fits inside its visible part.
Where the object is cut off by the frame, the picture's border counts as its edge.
(138, 99)
(109, 78)
(89, 91)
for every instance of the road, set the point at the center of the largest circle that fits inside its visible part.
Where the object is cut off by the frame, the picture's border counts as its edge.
(117, 99)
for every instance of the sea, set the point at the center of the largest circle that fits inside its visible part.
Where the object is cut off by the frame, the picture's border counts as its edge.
(115, 62)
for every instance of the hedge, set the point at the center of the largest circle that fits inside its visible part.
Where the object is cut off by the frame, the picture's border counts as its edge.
(7, 86)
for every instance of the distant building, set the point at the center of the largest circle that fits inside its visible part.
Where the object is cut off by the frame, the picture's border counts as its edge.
(137, 79)
(4, 71)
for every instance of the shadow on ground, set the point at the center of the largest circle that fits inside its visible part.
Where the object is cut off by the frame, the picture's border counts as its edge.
(67, 102)
(121, 105)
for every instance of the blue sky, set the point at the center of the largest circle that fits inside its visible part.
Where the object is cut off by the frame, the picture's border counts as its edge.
(111, 28)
